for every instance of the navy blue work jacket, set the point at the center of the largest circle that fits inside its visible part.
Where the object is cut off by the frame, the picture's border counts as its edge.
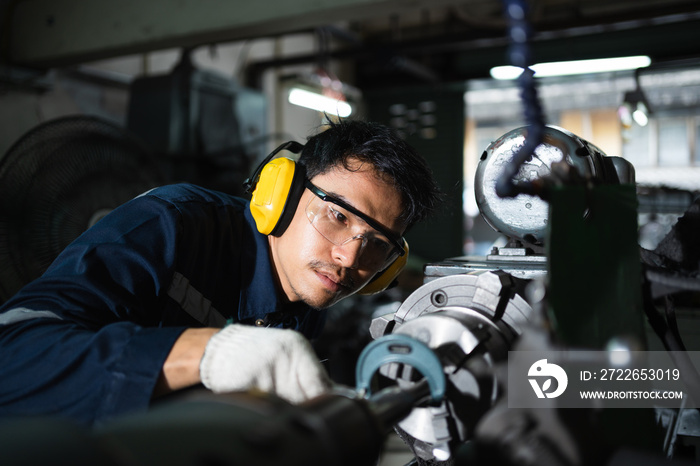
(88, 339)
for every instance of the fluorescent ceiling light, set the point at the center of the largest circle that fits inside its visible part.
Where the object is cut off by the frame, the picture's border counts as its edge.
(564, 68)
(319, 102)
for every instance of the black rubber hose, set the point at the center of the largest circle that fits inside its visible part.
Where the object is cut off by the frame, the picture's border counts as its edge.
(520, 33)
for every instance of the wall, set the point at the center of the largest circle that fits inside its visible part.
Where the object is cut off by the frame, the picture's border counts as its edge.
(101, 88)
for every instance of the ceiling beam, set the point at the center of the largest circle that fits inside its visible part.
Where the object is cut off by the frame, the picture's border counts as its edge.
(669, 39)
(47, 33)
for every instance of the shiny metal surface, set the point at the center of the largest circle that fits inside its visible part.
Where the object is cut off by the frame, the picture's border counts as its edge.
(524, 267)
(525, 217)
(469, 321)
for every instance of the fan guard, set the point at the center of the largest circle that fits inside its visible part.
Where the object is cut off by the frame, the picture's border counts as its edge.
(57, 180)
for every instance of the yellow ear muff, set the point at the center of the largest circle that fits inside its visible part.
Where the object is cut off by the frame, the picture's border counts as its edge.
(386, 278)
(272, 193)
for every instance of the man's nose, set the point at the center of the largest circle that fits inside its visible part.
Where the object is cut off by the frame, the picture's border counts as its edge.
(348, 254)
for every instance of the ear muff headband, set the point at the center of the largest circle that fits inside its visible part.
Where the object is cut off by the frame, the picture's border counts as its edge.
(276, 186)
(386, 278)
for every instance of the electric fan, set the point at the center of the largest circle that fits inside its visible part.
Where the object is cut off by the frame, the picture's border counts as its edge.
(56, 181)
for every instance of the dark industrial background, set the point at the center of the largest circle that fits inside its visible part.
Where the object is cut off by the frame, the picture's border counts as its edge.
(88, 57)
(196, 91)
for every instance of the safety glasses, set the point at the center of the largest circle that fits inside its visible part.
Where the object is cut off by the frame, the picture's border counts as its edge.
(339, 222)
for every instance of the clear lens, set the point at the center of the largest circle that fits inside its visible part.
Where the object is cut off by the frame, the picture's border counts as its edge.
(339, 227)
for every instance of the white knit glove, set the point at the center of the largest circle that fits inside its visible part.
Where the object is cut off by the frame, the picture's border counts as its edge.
(242, 357)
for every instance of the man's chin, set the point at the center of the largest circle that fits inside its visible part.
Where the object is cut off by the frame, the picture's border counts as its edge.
(323, 301)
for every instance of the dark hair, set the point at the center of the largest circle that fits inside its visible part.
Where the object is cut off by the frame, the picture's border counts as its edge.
(392, 157)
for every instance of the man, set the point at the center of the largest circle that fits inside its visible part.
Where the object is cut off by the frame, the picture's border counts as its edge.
(139, 304)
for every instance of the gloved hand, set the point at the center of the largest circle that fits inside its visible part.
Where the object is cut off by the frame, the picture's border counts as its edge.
(240, 357)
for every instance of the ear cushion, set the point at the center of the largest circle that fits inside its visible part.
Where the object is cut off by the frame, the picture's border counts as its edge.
(276, 195)
(386, 278)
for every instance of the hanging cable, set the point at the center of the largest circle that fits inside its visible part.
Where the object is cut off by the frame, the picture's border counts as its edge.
(520, 32)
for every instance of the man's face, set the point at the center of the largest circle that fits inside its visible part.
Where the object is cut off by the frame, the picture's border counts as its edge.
(311, 268)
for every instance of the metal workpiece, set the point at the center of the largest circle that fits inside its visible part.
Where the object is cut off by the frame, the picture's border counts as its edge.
(561, 154)
(469, 322)
(391, 405)
(525, 267)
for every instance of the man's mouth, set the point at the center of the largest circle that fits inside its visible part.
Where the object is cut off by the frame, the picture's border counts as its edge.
(332, 281)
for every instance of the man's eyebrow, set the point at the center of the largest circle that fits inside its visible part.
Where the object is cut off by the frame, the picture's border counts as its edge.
(333, 195)
(340, 197)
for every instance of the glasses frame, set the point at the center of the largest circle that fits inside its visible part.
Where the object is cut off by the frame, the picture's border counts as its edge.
(397, 242)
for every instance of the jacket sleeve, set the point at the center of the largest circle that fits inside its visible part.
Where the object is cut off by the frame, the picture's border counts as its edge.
(54, 367)
(85, 339)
